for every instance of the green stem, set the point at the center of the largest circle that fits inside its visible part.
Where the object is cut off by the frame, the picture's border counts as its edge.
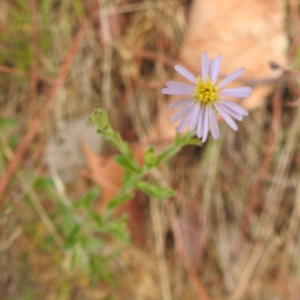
(100, 118)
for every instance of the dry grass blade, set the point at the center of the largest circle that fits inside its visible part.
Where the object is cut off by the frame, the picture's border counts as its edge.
(35, 124)
(248, 272)
(231, 231)
(200, 291)
(160, 250)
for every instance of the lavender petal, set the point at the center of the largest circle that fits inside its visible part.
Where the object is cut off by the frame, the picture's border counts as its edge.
(205, 66)
(227, 118)
(205, 125)
(242, 89)
(230, 111)
(177, 91)
(239, 109)
(180, 113)
(234, 75)
(234, 94)
(215, 69)
(176, 84)
(186, 74)
(185, 119)
(195, 116)
(181, 102)
(214, 127)
(200, 121)
(211, 67)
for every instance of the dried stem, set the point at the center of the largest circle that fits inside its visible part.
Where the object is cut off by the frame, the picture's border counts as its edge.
(160, 250)
(255, 187)
(191, 273)
(35, 124)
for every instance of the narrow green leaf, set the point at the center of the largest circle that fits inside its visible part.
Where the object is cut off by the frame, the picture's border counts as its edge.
(99, 118)
(196, 142)
(175, 147)
(126, 163)
(126, 177)
(154, 190)
(72, 239)
(118, 200)
(168, 153)
(90, 242)
(44, 183)
(4, 123)
(118, 228)
(96, 218)
(149, 157)
(86, 200)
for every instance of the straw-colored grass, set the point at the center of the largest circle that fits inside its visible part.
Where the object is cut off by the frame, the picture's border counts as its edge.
(232, 230)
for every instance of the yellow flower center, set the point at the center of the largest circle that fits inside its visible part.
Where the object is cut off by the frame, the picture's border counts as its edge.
(206, 92)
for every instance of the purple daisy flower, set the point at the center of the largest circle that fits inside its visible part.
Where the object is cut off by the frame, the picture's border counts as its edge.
(205, 98)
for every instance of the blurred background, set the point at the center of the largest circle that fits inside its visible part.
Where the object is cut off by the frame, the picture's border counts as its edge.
(231, 232)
